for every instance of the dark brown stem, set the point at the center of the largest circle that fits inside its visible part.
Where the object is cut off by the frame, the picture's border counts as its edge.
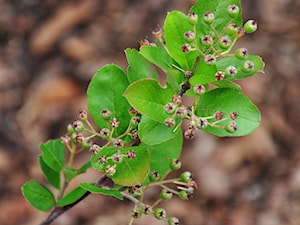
(56, 212)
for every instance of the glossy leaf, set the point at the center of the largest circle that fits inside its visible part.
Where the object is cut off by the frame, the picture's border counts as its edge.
(129, 172)
(71, 173)
(105, 92)
(98, 190)
(176, 24)
(139, 68)
(227, 84)
(150, 131)
(149, 98)
(54, 154)
(38, 195)
(229, 100)
(52, 176)
(238, 63)
(71, 197)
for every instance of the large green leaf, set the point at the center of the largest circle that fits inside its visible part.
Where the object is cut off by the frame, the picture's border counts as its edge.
(228, 100)
(149, 98)
(129, 172)
(38, 195)
(176, 24)
(98, 190)
(238, 63)
(139, 67)
(152, 132)
(53, 154)
(105, 92)
(52, 176)
(204, 74)
(71, 197)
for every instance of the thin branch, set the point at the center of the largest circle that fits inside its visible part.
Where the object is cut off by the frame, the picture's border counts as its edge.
(56, 212)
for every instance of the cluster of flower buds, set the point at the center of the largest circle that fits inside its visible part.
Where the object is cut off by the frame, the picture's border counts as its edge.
(176, 110)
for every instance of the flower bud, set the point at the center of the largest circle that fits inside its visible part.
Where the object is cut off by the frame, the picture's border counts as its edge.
(86, 144)
(106, 114)
(189, 134)
(169, 122)
(241, 53)
(104, 133)
(132, 111)
(208, 17)
(231, 127)
(134, 134)
(116, 158)
(134, 121)
(82, 115)
(110, 170)
(136, 213)
(218, 115)
(201, 123)
(102, 159)
(118, 143)
(114, 123)
(248, 66)
(181, 112)
(207, 40)
(186, 48)
(130, 154)
(232, 29)
(186, 176)
(154, 176)
(78, 126)
(158, 33)
(177, 99)
(183, 195)
(175, 164)
(199, 89)
(250, 26)
(233, 115)
(147, 209)
(70, 129)
(94, 149)
(173, 221)
(170, 108)
(166, 194)
(233, 10)
(160, 214)
(219, 75)
(210, 59)
(192, 18)
(225, 42)
(231, 71)
(189, 36)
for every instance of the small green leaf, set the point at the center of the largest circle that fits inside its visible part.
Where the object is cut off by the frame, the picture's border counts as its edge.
(71, 197)
(238, 63)
(71, 173)
(129, 172)
(98, 190)
(38, 195)
(52, 176)
(149, 98)
(176, 24)
(228, 100)
(54, 154)
(152, 132)
(139, 68)
(105, 92)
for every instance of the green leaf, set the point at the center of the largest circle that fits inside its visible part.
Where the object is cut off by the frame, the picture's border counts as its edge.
(222, 19)
(129, 172)
(139, 68)
(204, 74)
(161, 154)
(238, 63)
(149, 98)
(176, 24)
(152, 132)
(98, 190)
(52, 176)
(38, 195)
(229, 100)
(71, 197)
(227, 84)
(71, 173)
(105, 92)
(53, 154)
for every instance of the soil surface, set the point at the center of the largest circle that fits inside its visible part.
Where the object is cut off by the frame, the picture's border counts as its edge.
(50, 49)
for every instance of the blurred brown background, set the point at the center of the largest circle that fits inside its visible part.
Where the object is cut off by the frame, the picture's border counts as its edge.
(50, 49)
